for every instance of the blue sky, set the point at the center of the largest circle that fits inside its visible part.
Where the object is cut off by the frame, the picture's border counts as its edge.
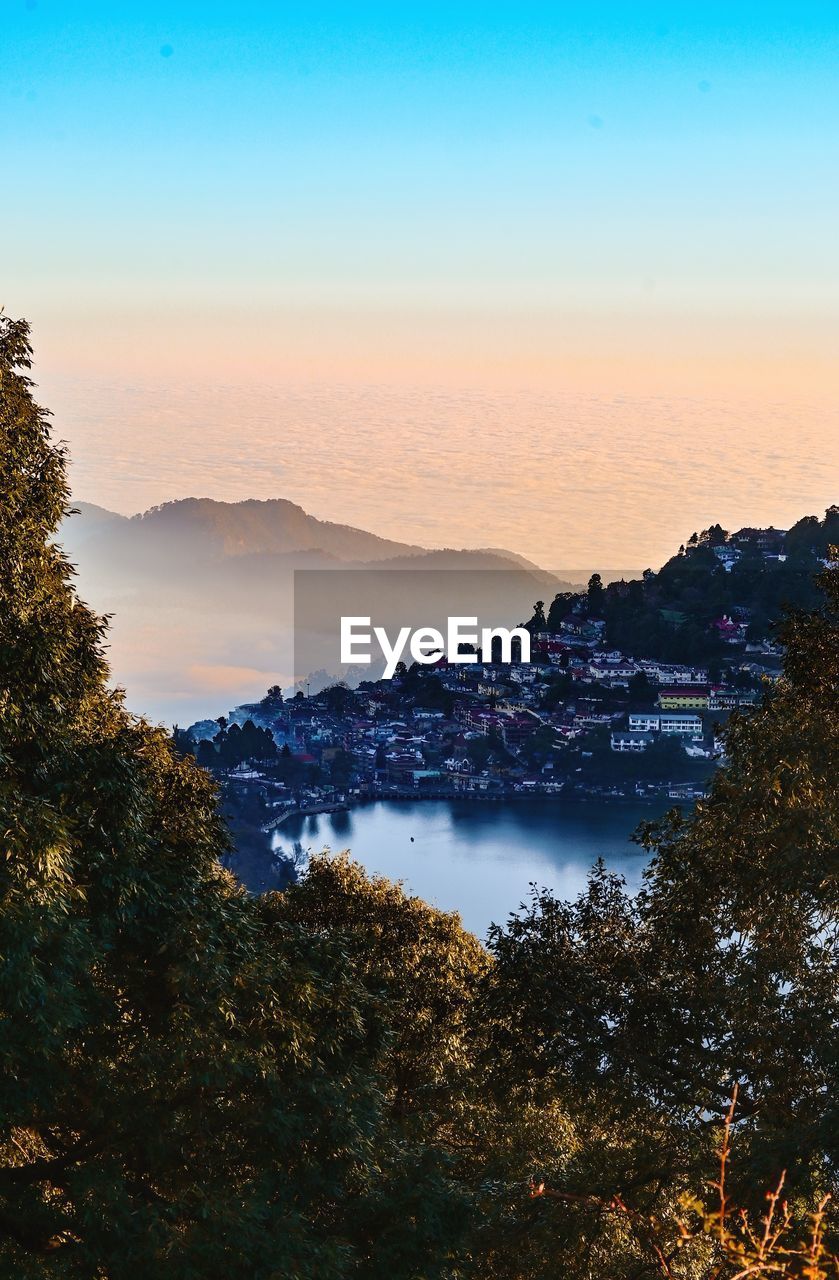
(356, 154)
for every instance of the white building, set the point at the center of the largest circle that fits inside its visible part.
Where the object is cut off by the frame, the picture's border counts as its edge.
(623, 740)
(727, 555)
(684, 723)
(615, 670)
(671, 673)
(644, 721)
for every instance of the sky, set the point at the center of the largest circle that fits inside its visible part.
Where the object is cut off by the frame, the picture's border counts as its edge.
(621, 214)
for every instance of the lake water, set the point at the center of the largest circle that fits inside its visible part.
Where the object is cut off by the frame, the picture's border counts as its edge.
(480, 858)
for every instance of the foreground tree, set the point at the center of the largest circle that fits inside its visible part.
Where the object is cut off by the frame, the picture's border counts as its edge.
(641, 1016)
(421, 960)
(189, 1087)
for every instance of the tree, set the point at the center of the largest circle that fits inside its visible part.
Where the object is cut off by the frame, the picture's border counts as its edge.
(423, 959)
(340, 1082)
(561, 605)
(715, 536)
(431, 972)
(766, 839)
(342, 768)
(188, 1087)
(537, 623)
(559, 690)
(595, 595)
(640, 1016)
(338, 697)
(641, 692)
(241, 744)
(539, 747)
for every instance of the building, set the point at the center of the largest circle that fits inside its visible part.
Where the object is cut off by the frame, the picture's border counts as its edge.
(517, 729)
(616, 670)
(644, 722)
(684, 723)
(729, 629)
(402, 765)
(483, 721)
(684, 698)
(687, 791)
(730, 699)
(424, 777)
(594, 719)
(727, 555)
(669, 673)
(624, 740)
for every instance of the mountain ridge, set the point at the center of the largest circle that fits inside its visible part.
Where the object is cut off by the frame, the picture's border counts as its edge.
(205, 528)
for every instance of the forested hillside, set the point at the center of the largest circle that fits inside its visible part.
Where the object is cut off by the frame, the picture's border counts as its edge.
(684, 611)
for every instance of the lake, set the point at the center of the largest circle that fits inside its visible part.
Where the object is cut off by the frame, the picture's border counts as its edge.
(479, 858)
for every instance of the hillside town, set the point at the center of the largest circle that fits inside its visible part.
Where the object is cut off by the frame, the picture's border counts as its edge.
(491, 729)
(586, 717)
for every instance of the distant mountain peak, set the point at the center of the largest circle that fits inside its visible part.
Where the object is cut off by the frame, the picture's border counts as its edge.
(256, 526)
(208, 530)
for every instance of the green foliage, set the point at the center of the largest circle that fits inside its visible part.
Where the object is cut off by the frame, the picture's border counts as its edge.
(342, 768)
(231, 746)
(646, 1013)
(596, 594)
(538, 622)
(561, 605)
(189, 1087)
(420, 959)
(765, 940)
(338, 699)
(663, 761)
(667, 615)
(641, 692)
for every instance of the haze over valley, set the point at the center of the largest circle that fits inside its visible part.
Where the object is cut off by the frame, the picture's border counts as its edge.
(200, 592)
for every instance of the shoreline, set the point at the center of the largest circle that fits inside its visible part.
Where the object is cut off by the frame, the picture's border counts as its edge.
(401, 798)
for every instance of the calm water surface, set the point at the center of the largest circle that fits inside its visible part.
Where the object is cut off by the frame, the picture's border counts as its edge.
(475, 858)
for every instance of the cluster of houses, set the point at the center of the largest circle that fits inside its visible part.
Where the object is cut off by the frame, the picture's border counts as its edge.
(489, 728)
(678, 713)
(477, 729)
(768, 542)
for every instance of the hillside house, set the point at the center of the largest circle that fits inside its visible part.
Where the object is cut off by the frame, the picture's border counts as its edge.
(624, 740)
(684, 698)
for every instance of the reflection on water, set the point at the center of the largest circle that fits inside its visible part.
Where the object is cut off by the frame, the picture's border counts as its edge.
(479, 858)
